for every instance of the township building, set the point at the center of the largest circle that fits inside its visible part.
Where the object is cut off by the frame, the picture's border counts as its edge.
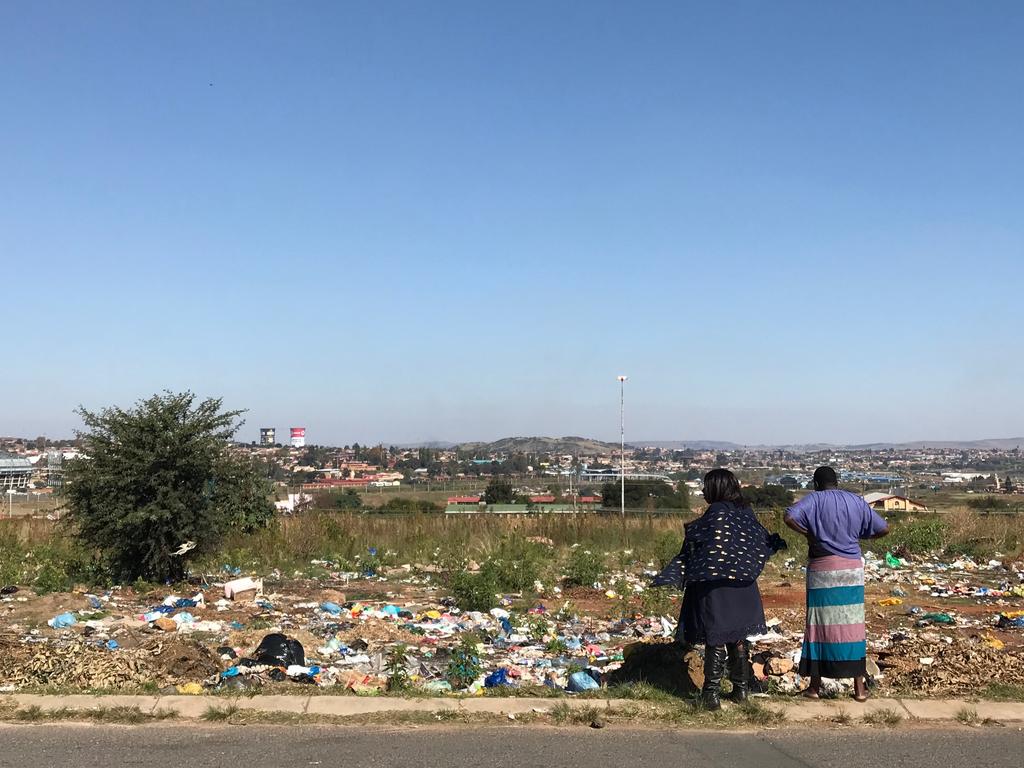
(15, 473)
(888, 502)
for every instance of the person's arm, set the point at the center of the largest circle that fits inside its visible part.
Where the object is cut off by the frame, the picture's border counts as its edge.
(875, 526)
(796, 516)
(791, 523)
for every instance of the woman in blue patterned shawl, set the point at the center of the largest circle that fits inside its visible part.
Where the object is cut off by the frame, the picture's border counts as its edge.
(724, 551)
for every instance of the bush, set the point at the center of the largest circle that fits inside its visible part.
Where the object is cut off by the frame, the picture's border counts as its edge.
(405, 504)
(160, 475)
(768, 497)
(988, 504)
(516, 563)
(349, 499)
(584, 568)
(645, 494)
(474, 591)
(464, 665)
(917, 537)
(499, 491)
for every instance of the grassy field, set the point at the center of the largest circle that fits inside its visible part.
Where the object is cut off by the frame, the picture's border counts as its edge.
(44, 554)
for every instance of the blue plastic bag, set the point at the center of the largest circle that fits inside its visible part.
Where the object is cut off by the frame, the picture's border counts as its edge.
(63, 620)
(497, 678)
(581, 681)
(332, 608)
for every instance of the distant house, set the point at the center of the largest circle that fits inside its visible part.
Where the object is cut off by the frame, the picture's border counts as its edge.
(887, 502)
(463, 499)
(542, 499)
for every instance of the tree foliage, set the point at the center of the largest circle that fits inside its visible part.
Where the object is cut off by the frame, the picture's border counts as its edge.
(158, 475)
(768, 497)
(645, 494)
(349, 499)
(499, 491)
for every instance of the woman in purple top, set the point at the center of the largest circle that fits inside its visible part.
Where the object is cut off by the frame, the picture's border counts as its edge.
(834, 522)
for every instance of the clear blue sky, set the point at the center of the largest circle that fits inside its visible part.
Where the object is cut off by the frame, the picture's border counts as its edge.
(402, 221)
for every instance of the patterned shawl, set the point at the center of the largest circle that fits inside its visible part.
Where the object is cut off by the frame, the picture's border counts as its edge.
(725, 543)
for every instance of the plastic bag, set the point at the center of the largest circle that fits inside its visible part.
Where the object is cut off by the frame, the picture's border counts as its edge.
(497, 678)
(277, 650)
(581, 681)
(62, 620)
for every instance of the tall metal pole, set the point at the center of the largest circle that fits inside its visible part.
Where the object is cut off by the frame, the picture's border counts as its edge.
(622, 441)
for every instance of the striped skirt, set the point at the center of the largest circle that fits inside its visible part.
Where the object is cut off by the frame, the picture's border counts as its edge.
(834, 640)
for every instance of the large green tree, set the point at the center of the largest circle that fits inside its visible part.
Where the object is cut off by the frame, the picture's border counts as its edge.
(157, 476)
(499, 491)
(768, 497)
(645, 495)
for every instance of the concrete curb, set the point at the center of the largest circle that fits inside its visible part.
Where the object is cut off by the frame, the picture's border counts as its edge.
(797, 711)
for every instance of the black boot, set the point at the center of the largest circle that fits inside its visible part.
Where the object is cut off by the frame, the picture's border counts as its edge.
(714, 669)
(739, 671)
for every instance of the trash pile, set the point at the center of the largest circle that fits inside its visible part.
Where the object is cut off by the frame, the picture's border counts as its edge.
(948, 666)
(935, 627)
(77, 663)
(940, 579)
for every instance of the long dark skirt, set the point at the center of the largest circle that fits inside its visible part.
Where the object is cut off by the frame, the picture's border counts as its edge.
(720, 612)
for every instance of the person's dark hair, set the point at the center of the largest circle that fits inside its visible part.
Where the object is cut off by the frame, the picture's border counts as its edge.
(722, 485)
(825, 478)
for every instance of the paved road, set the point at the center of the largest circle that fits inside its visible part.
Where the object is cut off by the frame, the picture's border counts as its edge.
(205, 746)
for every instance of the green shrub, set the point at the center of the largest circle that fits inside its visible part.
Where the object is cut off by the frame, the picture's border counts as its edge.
(918, 537)
(584, 568)
(405, 504)
(398, 676)
(474, 591)
(464, 665)
(657, 601)
(515, 564)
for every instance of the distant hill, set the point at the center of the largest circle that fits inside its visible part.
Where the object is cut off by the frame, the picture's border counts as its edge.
(1001, 444)
(679, 445)
(998, 444)
(585, 446)
(576, 445)
(440, 445)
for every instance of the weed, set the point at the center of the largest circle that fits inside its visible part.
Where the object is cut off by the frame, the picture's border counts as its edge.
(967, 716)
(398, 675)
(516, 564)
(640, 692)
(918, 536)
(32, 714)
(474, 591)
(556, 646)
(464, 665)
(757, 714)
(842, 717)
(1003, 692)
(887, 717)
(584, 568)
(215, 714)
(537, 626)
(657, 601)
(564, 714)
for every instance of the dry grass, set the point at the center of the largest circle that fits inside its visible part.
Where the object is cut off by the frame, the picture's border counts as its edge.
(119, 715)
(968, 716)
(842, 717)
(887, 717)
(220, 714)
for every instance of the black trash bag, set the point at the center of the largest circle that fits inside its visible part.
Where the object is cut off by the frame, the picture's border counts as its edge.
(10, 589)
(277, 650)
